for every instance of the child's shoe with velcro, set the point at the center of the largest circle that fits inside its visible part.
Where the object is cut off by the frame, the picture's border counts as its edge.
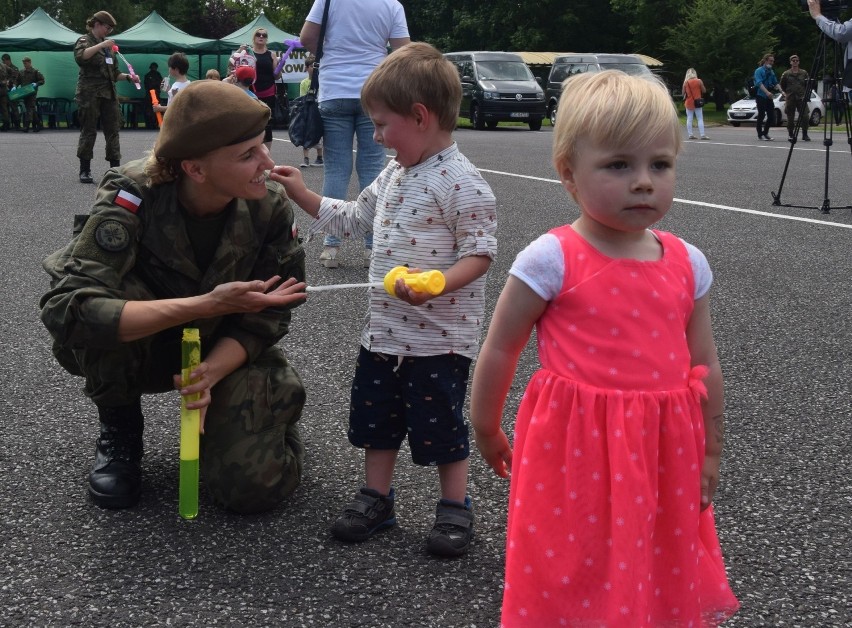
(453, 530)
(368, 513)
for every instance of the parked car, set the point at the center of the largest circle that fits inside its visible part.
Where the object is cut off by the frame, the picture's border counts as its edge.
(745, 111)
(565, 66)
(498, 87)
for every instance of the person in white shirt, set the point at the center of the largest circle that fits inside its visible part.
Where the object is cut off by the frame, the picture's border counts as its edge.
(178, 68)
(356, 40)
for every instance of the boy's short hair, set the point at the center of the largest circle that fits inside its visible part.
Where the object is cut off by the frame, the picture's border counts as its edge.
(213, 74)
(416, 73)
(612, 107)
(179, 62)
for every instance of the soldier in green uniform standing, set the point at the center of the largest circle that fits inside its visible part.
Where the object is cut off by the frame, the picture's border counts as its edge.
(11, 81)
(96, 94)
(4, 97)
(794, 86)
(194, 235)
(30, 76)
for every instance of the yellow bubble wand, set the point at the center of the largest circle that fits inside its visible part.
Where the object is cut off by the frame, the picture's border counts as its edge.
(189, 428)
(430, 281)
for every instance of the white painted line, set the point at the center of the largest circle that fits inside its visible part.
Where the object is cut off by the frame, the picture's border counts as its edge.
(760, 213)
(697, 203)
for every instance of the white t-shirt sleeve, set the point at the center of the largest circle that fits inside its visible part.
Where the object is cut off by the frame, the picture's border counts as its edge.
(541, 266)
(700, 270)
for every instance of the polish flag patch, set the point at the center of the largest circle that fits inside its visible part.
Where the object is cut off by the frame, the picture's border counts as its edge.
(128, 201)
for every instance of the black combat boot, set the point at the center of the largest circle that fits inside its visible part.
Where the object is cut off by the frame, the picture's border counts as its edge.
(114, 163)
(36, 126)
(116, 477)
(5, 127)
(26, 128)
(86, 171)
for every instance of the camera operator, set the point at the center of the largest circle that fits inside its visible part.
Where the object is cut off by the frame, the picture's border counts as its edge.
(841, 33)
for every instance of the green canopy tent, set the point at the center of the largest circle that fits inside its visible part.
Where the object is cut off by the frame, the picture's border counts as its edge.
(37, 32)
(49, 44)
(154, 40)
(244, 35)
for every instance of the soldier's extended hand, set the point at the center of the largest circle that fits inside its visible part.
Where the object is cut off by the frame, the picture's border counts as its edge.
(108, 44)
(254, 296)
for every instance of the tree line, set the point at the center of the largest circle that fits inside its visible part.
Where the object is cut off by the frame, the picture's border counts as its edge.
(722, 39)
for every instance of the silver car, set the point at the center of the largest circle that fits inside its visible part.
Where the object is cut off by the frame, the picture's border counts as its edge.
(745, 111)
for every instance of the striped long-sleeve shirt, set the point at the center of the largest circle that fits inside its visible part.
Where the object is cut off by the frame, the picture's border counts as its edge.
(427, 216)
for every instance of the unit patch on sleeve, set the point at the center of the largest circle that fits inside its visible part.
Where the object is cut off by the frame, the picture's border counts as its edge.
(112, 236)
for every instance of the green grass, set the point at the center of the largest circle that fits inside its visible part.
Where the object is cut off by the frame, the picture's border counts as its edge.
(464, 123)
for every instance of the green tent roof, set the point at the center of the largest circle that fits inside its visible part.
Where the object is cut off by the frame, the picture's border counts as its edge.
(38, 32)
(244, 35)
(154, 35)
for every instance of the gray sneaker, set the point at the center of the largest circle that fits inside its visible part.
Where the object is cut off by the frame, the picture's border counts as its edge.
(368, 513)
(453, 530)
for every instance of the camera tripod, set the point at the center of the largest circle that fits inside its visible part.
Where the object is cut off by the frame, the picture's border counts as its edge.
(836, 101)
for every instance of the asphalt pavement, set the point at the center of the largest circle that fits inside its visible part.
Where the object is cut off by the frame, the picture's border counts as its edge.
(781, 306)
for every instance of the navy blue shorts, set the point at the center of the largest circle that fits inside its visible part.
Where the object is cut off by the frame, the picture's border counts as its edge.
(422, 399)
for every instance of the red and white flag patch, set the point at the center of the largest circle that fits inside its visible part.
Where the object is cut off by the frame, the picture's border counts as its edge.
(128, 201)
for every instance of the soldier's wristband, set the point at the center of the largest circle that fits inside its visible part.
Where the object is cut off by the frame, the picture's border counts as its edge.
(127, 77)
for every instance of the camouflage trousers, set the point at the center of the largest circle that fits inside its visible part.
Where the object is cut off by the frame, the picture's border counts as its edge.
(5, 105)
(251, 452)
(107, 111)
(793, 103)
(31, 114)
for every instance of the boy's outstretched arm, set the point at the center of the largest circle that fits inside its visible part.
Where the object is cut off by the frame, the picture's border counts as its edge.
(517, 311)
(294, 184)
(702, 347)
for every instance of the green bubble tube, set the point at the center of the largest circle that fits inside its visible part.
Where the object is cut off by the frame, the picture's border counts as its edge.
(189, 428)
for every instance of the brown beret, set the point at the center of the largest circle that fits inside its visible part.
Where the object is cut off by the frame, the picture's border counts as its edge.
(206, 115)
(104, 18)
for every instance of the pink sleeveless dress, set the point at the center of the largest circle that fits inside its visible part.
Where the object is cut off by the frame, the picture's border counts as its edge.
(605, 527)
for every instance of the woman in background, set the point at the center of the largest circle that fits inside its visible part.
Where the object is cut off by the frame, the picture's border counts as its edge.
(264, 82)
(693, 89)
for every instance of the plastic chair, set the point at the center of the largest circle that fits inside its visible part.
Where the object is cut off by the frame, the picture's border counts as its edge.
(53, 111)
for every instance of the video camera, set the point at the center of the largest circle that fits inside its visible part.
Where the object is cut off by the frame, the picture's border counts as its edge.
(830, 8)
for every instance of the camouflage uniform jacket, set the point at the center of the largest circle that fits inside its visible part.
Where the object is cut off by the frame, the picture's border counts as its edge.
(4, 79)
(27, 77)
(97, 76)
(794, 83)
(11, 75)
(148, 243)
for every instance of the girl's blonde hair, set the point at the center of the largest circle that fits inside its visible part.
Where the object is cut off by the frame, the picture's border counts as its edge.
(612, 108)
(690, 74)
